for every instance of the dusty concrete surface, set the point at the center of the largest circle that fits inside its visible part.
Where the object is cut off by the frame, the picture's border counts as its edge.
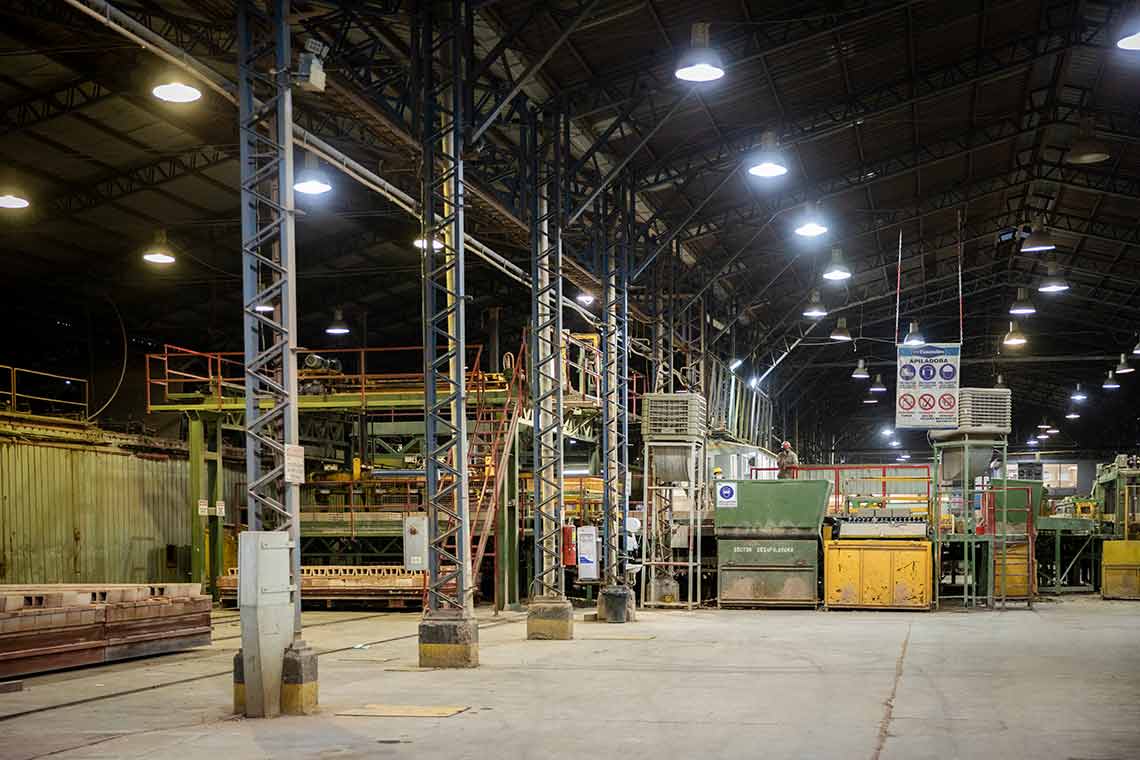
(1062, 681)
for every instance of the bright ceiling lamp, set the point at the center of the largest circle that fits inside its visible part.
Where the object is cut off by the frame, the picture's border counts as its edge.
(311, 180)
(999, 382)
(735, 364)
(1122, 367)
(894, 444)
(840, 333)
(1078, 394)
(263, 308)
(1087, 149)
(913, 336)
(768, 161)
(159, 251)
(886, 431)
(812, 223)
(1039, 239)
(1015, 337)
(754, 382)
(584, 298)
(1130, 33)
(1073, 414)
(860, 371)
(1136, 348)
(1053, 282)
(338, 326)
(176, 92)
(9, 200)
(1043, 425)
(903, 457)
(870, 398)
(1110, 382)
(699, 63)
(877, 386)
(837, 270)
(1022, 306)
(1053, 430)
(421, 243)
(1042, 435)
(815, 308)
(1032, 442)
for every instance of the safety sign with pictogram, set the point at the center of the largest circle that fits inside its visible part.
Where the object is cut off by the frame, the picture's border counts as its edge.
(926, 397)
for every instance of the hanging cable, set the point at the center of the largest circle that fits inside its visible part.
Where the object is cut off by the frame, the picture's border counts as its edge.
(961, 306)
(898, 288)
(123, 369)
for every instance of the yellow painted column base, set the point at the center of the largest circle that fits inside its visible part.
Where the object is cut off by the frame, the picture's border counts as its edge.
(299, 698)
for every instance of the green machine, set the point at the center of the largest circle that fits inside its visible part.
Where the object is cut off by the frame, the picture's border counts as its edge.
(768, 534)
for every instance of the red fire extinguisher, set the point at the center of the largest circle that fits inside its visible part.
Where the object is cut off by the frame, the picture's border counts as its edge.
(569, 546)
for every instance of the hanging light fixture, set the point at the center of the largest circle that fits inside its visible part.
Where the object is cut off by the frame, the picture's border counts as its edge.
(903, 457)
(1078, 394)
(421, 243)
(13, 201)
(860, 371)
(311, 180)
(870, 398)
(1043, 425)
(263, 308)
(1130, 33)
(1039, 239)
(913, 336)
(837, 269)
(159, 251)
(894, 444)
(1110, 382)
(1073, 414)
(999, 381)
(1032, 442)
(1022, 306)
(735, 364)
(1136, 349)
(1052, 430)
(877, 386)
(176, 92)
(1122, 367)
(811, 225)
(1053, 282)
(338, 326)
(584, 298)
(840, 332)
(1087, 149)
(815, 308)
(768, 161)
(1015, 337)
(699, 63)
(754, 382)
(886, 431)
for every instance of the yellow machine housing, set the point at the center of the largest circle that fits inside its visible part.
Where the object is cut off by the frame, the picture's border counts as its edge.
(1120, 577)
(877, 574)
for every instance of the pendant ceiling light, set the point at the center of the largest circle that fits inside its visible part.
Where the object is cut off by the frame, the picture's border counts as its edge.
(860, 371)
(913, 336)
(1053, 282)
(159, 251)
(1039, 239)
(1129, 38)
(1033, 442)
(1052, 430)
(338, 326)
(840, 332)
(176, 92)
(1122, 367)
(1136, 348)
(812, 225)
(421, 243)
(311, 180)
(1086, 148)
(999, 381)
(870, 398)
(1073, 414)
(877, 386)
(769, 161)
(1022, 307)
(735, 364)
(837, 270)
(1110, 382)
(700, 63)
(1042, 435)
(1078, 394)
(815, 308)
(1015, 337)
(13, 201)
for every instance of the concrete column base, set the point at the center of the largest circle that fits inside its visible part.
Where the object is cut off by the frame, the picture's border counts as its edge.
(449, 639)
(616, 604)
(550, 619)
(239, 684)
(299, 682)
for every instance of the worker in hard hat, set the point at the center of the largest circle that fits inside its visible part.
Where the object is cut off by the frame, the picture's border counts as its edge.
(718, 473)
(787, 461)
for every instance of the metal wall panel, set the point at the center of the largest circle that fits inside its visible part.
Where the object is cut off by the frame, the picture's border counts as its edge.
(75, 513)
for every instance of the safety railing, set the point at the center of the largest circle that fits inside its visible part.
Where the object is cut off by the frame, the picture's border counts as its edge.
(43, 394)
(853, 485)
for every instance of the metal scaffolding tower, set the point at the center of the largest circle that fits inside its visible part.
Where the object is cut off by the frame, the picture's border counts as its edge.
(442, 71)
(268, 271)
(546, 153)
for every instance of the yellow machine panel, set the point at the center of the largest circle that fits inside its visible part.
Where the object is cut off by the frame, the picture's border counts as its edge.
(877, 574)
(1121, 570)
(1013, 569)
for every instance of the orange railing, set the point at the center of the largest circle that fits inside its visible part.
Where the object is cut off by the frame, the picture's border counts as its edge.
(43, 394)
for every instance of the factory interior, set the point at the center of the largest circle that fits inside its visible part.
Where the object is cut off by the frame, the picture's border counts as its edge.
(439, 378)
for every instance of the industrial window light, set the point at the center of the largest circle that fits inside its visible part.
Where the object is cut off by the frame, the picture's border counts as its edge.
(1039, 239)
(311, 180)
(860, 371)
(338, 326)
(1087, 149)
(159, 251)
(815, 308)
(699, 63)
(840, 333)
(1015, 337)
(1022, 306)
(735, 364)
(176, 92)
(1053, 282)
(877, 386)
(837, 269)
(1123, 368)
(9, 200)
(913, 336)
(1130, 33)
(1110, 382)
(812, 223)
(768, 161)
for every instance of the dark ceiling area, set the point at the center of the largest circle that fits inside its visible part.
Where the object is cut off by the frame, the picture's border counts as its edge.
(928, 132)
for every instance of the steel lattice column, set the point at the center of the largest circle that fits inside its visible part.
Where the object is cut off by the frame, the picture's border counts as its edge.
(547, 157)
(615, 458)
(268, 271)
(441, 81)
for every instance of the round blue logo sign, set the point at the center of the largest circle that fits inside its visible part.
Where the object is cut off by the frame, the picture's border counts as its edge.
(727, 492)
(906, 372)
(947, 372)
(927, 371)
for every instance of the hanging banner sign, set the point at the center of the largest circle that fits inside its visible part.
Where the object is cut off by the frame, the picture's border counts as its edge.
(927, 390)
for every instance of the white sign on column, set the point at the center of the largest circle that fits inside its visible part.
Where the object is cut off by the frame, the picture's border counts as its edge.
(926, 395)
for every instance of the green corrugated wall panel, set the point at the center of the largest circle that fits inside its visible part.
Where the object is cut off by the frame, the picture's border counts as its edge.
(78, 514)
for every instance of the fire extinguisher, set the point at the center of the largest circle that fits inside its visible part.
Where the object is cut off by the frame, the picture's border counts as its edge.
(569, 546)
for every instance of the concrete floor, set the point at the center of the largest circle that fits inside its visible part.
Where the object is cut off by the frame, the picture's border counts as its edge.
(1061, 681)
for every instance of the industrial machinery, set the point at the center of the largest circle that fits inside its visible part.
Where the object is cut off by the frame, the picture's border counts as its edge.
(1117, 488)
(768, 542)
